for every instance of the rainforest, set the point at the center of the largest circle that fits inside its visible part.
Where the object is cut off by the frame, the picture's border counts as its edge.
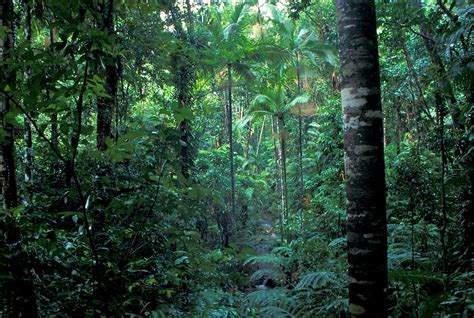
(236, 158)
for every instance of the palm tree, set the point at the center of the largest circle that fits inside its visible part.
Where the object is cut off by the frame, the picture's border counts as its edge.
(230, 50)
(275, 103)
(302, 46)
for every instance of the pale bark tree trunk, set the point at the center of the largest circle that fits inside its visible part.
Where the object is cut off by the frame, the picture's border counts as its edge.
(364, 160)
(260, 136)
(7, 154)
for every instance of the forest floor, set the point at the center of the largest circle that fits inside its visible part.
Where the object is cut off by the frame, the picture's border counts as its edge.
(263, 242)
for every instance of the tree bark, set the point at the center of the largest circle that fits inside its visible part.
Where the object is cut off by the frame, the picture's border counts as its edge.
(277, 170)
(231, 142)
(7, 154)
(364, 159)
(300, 141)
(106, 105)
(281, 124)
(28, 155)
(54, 117)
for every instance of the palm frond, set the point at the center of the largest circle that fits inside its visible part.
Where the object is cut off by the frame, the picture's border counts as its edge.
(298, 100)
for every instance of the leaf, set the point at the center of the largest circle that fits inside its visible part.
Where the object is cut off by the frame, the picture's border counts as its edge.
(182, 260)
(317, 280)
(72, 213)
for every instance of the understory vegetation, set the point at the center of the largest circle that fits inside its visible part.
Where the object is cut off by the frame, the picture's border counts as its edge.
(186, 159)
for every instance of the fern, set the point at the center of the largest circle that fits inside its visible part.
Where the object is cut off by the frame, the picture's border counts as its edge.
(276, 312)
(317, 280)
(266, 259)
(282, 250)
(267, 297)
(274, 274)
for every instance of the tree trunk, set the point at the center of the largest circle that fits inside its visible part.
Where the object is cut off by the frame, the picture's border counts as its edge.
(300, 141)
(278, 176)
(440, 109)
(281, 124)
(260, 136)
(106, 105)
(28, 155)
(7, 154)
(54, 117)
(231, 143)
(364, 159)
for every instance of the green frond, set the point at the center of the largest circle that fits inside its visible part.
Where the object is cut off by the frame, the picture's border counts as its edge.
(317, 280)
(267, 297)
(263, 102)
(298, 100)
(276, 312)
(270, 259)
(230, 31)
(272, 273)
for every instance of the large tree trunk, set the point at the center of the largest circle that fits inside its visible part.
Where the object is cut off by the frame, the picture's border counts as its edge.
(21, 300)
(7, 153)
(364, 160)
(106, 105)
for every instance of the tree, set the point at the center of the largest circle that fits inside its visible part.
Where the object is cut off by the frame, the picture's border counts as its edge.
(106, 104)
(274, 102)
(7, 152)
(301, 45)
(364, 159)
(230, 51)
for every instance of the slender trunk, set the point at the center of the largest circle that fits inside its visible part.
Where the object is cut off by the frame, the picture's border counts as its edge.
(442, 148)
(364, 159)
(444, 87)
(247, 140)
(28, 156)
(260, 136)
(231, 143)
(300, 142)
(411, 68)
(183, 81)
(399, 124)
(106, 105)
(281, 124)
(278, 177)
(54, 117)
(76, 133)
